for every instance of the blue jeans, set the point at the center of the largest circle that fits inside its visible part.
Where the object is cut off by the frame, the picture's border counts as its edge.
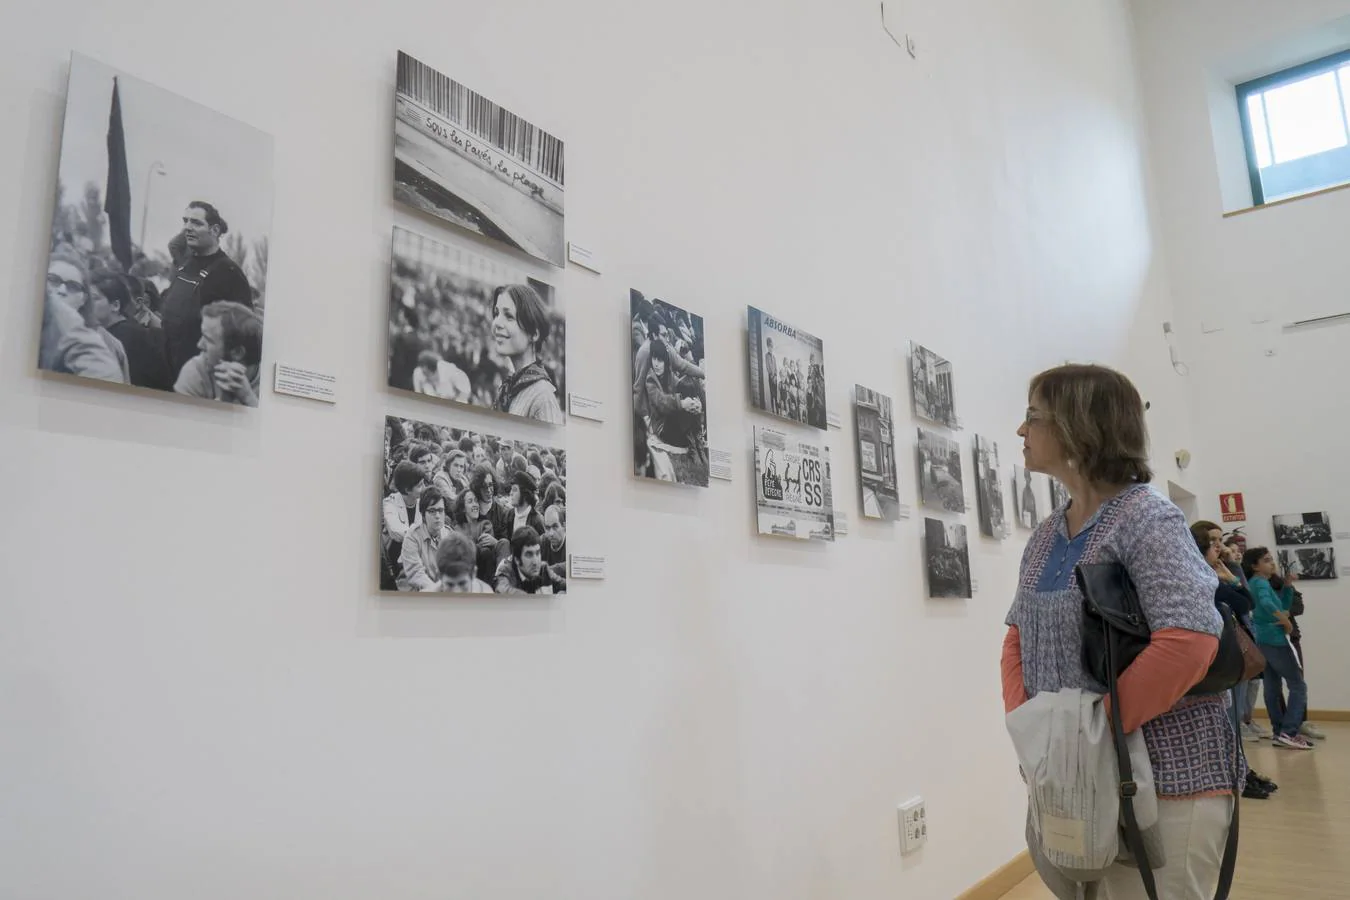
(1281, 664)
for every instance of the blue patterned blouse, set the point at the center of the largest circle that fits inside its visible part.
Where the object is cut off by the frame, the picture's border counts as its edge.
(1191, 746)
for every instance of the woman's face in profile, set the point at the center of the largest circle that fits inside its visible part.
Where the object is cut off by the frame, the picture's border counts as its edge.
(1041, 451)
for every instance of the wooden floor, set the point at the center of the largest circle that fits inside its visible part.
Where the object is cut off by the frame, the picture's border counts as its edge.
(1297, 843)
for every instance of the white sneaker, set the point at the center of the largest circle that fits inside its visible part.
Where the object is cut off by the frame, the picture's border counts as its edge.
(1292, 741)
(1250, 732)
(1261, 731)
(1312, 731)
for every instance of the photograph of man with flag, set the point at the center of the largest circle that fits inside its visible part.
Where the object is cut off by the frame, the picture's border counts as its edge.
(157, 272)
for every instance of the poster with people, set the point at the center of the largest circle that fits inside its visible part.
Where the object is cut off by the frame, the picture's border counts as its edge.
(989, 484)
(1302, 528)
(460, 157)
(793, 496)
(474, 330)
(787, 370)
(878, 482)
(947, 558)
(468, 513)
(1025, 504)
(941, 484)
(158, 253)
(931, 382)
(1309, 563)
(670, 401)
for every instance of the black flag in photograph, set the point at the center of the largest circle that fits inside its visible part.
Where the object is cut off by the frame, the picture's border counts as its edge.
(117, 201)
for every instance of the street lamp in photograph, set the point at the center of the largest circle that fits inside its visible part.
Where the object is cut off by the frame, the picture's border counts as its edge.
(156, 168)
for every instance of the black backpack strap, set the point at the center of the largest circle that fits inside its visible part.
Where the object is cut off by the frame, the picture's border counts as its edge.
(1231, 847)
(1134, 839)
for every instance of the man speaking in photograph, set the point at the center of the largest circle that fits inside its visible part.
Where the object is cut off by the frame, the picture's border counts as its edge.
(203, 275)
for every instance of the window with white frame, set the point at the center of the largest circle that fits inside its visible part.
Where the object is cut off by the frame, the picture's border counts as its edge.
(1296, 125)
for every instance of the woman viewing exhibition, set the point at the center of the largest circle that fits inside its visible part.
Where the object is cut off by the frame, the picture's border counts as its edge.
(1085, 426)
(1272, 623)
(519, 328)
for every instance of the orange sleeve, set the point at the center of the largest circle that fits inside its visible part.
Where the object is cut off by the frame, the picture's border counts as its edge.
(1174, 662)
(1014, 689)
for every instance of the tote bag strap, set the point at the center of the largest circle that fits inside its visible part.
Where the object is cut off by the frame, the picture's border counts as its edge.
(1128, 788)
(1134, 839)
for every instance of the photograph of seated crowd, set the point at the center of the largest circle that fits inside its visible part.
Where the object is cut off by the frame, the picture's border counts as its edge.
(474, 330)
(470, 513)
(670, 416)
(177, 304)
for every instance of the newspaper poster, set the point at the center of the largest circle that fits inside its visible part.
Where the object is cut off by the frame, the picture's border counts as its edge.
(792, 487)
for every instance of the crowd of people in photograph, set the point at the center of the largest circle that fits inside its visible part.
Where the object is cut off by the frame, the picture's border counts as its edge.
(471, 513)
(1267, 606)
(201, 336)
(796, 391)
(670, 422)
(458, 338)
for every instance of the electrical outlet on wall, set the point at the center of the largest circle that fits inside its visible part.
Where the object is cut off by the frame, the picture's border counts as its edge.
(913, 825)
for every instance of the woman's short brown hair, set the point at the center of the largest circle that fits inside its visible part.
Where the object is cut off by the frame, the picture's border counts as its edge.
(1098, 416)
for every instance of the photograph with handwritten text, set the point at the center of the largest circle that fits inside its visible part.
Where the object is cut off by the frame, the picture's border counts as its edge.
(462, 158)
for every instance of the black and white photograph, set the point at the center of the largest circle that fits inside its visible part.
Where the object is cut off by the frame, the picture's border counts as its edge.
(989, 487)
(931, 382)
(1309, 563)
(948, 560)
(793, 496)
(474, 330)
(1302, 528)
(468, 513)
(1024, 498)
(462, 158)
(670, 415)
(157, 265)
(941, 485)
(1059, 494)
(877, 479)
(787, 370)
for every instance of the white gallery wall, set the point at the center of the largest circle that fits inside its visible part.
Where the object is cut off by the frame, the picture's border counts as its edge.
(1268, 403)
(201, 692)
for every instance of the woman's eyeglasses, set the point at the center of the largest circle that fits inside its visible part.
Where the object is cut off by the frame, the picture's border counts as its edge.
(1036, 415)
(72, 287)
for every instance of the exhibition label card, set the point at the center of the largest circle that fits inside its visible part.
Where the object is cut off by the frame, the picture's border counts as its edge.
(305, 383)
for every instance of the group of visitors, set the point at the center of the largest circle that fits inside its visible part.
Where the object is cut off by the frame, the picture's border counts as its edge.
(469, 513)
(201, 337)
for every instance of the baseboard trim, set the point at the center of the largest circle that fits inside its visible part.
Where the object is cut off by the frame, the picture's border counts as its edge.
(1003, 880)
(1314, 715)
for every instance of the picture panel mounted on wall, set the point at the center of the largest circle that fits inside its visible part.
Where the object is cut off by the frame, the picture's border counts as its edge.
(931, 383)
(1302, 528)
(670, 416)
(941, 485)
(1059, 494)
(1309, 563)
(787, 370)
(474, 330)
(947, 555)
(157, 263)
(469, 513)
(1024, 498)
(989, 485)
(793, 496)
(878, 482)
(462, 158)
